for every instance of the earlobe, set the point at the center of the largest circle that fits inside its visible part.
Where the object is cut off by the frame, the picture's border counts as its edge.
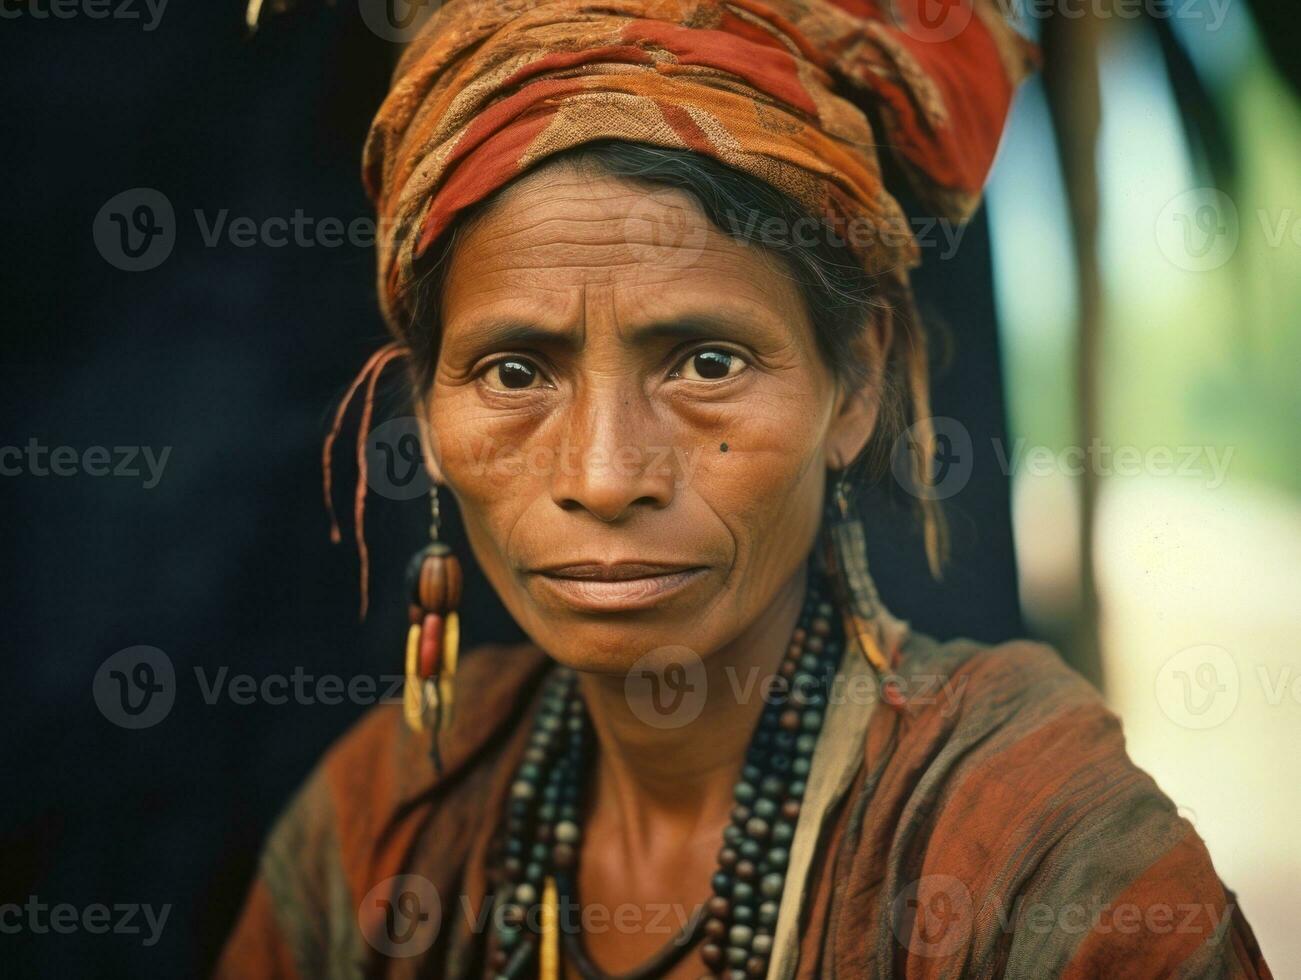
(852, 428)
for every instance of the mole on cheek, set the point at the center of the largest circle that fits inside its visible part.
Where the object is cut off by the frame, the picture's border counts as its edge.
(722, 447)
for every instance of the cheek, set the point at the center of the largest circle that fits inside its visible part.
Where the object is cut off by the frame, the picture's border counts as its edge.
(767, 488)
(485, 459)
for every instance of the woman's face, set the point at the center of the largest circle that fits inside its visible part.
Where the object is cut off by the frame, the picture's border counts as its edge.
(633, 415)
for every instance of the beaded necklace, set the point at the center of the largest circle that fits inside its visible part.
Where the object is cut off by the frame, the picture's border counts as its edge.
(539, 847)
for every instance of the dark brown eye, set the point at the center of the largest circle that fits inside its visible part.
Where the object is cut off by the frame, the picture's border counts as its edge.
(711, 364)
(514, 373)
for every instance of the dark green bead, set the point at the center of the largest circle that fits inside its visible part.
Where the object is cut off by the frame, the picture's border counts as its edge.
(743, 914)
(733, 835)
(771, 886)
(745, 792)
(800, 766)
(741, 893)
(765, 808)
(737, 957)
(722, 883)
(812, 720)
(806, 743)
(796, 788)
(740, 935)
(782, 832)
(751, 850)
(772, 786)
(778, 857)
(768, 913)
(756, 828)
(750, 773)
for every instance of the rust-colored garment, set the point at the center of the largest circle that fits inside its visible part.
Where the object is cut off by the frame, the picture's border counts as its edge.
(987, 823)
(800, 94)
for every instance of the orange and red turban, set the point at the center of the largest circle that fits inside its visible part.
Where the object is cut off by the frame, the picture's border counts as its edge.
(802, 94)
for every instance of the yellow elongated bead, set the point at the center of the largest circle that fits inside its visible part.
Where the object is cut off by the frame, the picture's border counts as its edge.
(447, 671)
(411, 694)
(549, 948)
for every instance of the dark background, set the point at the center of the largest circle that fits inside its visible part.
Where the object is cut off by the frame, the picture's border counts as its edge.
(235, 358)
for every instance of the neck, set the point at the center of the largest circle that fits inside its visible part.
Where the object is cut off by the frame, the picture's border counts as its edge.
(686, 772)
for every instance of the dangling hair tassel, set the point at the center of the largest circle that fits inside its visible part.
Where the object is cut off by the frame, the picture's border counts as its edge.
(369, 376)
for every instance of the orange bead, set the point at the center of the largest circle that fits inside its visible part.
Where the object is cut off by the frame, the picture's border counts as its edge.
(440, 581)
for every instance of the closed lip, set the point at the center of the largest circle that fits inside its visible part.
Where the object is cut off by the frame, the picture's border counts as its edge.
(614, 571)
(616, 586)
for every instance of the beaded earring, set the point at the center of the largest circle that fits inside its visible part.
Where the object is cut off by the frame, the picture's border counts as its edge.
(846, 557)
(433, 638)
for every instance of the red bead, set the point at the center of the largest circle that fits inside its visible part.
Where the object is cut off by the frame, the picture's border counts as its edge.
(431, 645)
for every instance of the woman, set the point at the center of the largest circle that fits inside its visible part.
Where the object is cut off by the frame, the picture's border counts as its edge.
(653, 296)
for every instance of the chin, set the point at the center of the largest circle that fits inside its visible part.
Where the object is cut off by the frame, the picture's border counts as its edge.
(617, 647)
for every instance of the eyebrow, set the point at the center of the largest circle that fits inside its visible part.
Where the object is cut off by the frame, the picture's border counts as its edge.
(513, 332)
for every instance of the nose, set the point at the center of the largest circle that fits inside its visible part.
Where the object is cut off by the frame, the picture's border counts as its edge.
(610, 465)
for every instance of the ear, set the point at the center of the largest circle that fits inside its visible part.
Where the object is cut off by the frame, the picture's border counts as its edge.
(428, 444)
(854, 418)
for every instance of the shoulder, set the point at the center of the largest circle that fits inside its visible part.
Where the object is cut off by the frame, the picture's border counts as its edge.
(352, 822)
(1018, 810)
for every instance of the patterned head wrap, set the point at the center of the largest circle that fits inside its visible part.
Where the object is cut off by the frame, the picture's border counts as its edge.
(801, 94)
